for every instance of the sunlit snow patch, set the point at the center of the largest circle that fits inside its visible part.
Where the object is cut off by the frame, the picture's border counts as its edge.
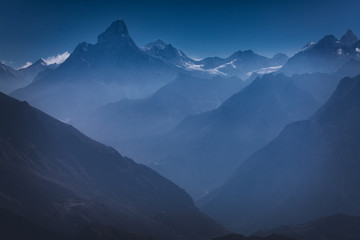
(266, 70)
(199, 67)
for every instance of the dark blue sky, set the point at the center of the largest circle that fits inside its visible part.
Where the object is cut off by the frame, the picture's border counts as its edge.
(38, 28)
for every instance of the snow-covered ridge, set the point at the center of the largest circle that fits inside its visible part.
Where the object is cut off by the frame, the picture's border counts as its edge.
(200, 67)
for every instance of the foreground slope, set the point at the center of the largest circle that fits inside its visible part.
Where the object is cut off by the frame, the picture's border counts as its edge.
(309, 171)
(335, 227)
(62, 180)
(234, 236)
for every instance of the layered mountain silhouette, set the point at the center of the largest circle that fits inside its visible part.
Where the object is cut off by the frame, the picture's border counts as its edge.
(322, 85)
(135, 119)
(58, 179)
(111, 69)
(326, 56)
(309, 171)
(203, 150)
(335, 227)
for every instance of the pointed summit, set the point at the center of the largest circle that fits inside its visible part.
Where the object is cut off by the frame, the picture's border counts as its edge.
(349, 38)
(115, 32)
(158, 44)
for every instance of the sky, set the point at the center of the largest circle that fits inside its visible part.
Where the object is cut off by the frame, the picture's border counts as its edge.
(33, 29)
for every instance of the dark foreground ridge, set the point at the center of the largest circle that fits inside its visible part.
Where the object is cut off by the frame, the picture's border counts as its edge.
(59, 179)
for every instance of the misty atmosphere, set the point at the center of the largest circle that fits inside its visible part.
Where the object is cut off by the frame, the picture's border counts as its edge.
(179, 120)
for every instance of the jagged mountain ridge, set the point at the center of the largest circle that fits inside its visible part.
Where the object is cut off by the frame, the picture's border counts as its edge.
(325, 56)
(241, 63)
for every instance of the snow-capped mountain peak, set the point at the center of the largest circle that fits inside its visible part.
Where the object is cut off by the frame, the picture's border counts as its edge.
(156, 44)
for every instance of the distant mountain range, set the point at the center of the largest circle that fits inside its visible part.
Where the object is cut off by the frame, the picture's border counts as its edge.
(201, 152)
(309, 171)
(326, 56)
(55, 177)
(115, 68)
(240, 64)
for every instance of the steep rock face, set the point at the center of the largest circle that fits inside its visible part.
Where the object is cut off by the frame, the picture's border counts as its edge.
(325, 56)
(309, 171)
(62, 180)
(206, 148)
(111, 69)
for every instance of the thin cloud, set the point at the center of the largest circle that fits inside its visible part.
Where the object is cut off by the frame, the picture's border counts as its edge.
(60, 58)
